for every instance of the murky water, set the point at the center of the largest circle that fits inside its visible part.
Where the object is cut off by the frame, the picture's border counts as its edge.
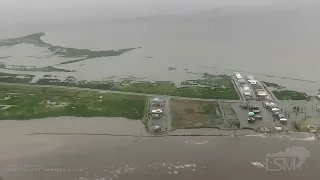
(91, 157)
(79, 148)
(16, 144)
(279, 39)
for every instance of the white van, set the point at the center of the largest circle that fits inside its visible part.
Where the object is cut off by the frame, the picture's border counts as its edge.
(246, 88)
(238, 76)
(247, 93)
(253, 82)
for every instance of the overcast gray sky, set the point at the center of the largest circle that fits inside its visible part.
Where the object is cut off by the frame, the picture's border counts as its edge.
(23, 10)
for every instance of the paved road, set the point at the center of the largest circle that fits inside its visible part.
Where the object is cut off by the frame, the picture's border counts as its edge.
(272, 96)
(164, 121)
(239, 90)
(108, 91)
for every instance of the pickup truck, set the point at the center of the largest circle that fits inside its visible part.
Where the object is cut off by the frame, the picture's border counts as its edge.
(254, 109)
(282, 118)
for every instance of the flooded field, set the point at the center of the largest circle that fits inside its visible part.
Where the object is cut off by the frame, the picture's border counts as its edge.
(16, 143)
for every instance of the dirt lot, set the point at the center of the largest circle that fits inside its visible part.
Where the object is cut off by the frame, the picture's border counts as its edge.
(195, 114)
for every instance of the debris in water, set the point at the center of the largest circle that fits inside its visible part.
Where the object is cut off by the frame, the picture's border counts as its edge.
(171, 68)
(176, 172)
(258, 164)
(193, 170)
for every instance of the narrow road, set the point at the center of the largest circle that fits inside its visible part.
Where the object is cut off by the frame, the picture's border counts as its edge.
(108, 91)
(237, 87)
(272, 96)
(164, 121)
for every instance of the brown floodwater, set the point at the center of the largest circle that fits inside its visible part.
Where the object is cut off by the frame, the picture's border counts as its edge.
(93, 157)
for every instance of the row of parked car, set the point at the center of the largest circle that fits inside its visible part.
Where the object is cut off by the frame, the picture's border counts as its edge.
(258, 90)
(276, 112)
(156, 112)
(249, 78)
(245, 88)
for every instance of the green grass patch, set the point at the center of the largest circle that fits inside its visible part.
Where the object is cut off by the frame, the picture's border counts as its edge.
(274, 85)
(165, 88)
(290, 95)
(209, 93)
(208, 87)
(52, 102)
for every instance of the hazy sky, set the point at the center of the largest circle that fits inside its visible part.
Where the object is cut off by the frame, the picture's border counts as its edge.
(23, 10)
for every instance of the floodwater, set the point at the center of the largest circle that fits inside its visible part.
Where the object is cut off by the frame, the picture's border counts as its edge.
(15, 143)
(91, 157)
(275, 38)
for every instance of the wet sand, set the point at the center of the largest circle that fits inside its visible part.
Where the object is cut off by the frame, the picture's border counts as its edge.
(93, 157)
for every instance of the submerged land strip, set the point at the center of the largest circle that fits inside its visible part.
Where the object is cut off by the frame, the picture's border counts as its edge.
(72, 55)
(269, 75)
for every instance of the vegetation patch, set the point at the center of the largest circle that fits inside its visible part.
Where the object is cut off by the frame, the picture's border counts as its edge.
(195, 114)
(16, 78)
(53, 102)
(165, 88)
(290, 95)
(32, 68)
(274, 85)
(72, 82)
(207, 87)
